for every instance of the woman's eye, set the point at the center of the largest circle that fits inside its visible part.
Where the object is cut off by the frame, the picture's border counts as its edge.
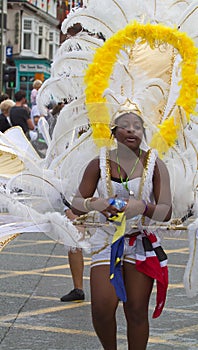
(137, 126)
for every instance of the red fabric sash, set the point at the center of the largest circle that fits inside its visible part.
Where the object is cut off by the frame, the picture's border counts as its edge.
(154, 265)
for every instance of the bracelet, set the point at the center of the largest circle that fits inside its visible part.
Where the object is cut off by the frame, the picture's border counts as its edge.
(86, 203)
(146, 207)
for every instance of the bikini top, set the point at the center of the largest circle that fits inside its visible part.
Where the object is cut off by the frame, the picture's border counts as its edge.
(141, 187)
(118, 189)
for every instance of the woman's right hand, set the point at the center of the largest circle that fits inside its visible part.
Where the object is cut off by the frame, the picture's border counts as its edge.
(98, 204)
(102, 205)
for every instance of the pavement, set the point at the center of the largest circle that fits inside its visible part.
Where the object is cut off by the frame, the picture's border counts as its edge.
(34, 274)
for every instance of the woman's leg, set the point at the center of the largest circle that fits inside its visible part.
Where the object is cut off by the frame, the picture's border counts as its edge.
(138, 288)
(104, 303)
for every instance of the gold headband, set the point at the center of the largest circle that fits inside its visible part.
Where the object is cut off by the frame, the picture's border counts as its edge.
(127, 107)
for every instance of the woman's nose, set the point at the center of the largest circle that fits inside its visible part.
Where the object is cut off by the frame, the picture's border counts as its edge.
(130, 128)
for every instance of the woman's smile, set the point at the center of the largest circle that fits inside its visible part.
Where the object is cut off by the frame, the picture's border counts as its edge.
(131, 139)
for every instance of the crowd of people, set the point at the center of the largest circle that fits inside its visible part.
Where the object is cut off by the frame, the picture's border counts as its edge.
(18, 112)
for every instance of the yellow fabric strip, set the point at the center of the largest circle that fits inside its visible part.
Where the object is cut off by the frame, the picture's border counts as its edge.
(120, 221)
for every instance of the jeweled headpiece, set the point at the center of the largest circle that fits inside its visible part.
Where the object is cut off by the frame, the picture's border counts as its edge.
(124, 108)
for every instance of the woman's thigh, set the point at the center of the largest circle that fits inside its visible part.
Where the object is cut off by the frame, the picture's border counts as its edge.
(138, 286)
(102, 291)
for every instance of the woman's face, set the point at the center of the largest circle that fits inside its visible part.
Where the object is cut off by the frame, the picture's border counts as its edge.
(129, 130)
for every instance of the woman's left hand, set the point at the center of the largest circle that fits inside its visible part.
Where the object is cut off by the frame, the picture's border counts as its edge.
(110, 211)
(134, 207)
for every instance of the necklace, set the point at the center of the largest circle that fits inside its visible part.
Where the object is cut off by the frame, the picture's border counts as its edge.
(125, 183)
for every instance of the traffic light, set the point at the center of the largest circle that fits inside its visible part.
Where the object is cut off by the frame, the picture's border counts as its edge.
(9, 76)
(5, 74)
(12, 77)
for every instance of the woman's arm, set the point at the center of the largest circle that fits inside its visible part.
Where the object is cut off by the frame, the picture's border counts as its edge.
(162, 209)
(87, 187)
(86, 190)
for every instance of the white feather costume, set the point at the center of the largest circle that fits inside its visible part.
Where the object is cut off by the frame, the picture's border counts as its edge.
(141, 74)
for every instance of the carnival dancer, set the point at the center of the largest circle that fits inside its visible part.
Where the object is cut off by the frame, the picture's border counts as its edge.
(142, 258)
(147, 69)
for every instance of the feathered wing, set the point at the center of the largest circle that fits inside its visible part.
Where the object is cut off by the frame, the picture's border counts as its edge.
(67, 71)
(108, 16)
(24, 218)
(187, 20)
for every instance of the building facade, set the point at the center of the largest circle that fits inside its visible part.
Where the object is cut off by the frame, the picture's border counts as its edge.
(3, 26)
(31, 37)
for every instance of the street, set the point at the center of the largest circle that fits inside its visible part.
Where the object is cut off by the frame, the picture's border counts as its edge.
(34, 274)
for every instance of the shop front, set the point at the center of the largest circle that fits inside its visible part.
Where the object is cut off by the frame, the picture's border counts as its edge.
(28, 71)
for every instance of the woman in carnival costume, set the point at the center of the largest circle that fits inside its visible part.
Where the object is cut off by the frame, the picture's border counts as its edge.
(145, 71)
(131, 184)
(143, 89)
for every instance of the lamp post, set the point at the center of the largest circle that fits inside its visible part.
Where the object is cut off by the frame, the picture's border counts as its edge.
(1, 44)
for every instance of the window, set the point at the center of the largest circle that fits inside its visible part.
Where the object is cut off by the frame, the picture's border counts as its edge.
(40, 46)
(54, 40)
(51, 56)
(27, 27)
(40, 31)
(27, 24)
(51, 36)
(27, 41)
(43, 41)
(40, 41)
(29, 35)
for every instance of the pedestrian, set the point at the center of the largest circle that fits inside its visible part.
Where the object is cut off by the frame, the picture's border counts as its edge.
(35, 115)
(53, 115)
(36, 86)
(127, 166)
(19, 115)
(76, 263)
(5, 112)
(3, 97)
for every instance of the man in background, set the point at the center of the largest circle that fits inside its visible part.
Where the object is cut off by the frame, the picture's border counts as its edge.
(19, 115)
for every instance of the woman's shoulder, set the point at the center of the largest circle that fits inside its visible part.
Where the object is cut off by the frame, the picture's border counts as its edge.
(160, 168)
(94, 163)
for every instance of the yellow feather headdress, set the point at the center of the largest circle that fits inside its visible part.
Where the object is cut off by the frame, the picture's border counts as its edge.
(143, 42)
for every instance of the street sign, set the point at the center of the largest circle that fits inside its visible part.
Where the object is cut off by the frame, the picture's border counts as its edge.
(9, 51)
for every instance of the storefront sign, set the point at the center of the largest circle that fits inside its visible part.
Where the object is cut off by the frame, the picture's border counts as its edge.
(34, 67)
